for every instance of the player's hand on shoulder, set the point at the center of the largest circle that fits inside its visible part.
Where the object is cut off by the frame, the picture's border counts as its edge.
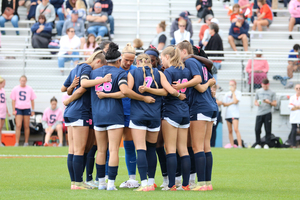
(148, 99)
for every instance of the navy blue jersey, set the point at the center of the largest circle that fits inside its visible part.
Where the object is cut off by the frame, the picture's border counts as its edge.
(79, 108)
(126, 100)
(200, 102)
(139, 109)
(107, 111)
(173, 106)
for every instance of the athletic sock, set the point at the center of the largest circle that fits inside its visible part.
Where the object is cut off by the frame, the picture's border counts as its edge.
(185, 169)
(144, 183)
(70, 167)
(192, 157)
(78, 167)
(209, 164)
(161, 153)
(171, 167)
(106, 164)
(130, 157)
(132, 177)
(90, 160)
(142, 163)
(84, 161)
(178, 169)
(151, 159)
(200, 162)
(100, 172)
(112, 172)
(151, 181)
(110, 183)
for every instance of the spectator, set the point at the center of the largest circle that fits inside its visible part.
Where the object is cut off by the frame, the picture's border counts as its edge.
(203, 8)
(97, 21)
(3, 107)
(138, 45)
(31, 9)
(27, 3)
(71, 4)
(174, 27)
(234, 13)
(255, 7)
(238, 33)
(46, 9)
(89, 45)
(68, 43)
(244, 4)
(294, 8)
(80, 7)
(104, 45)
(207, 36)
(154, 55)
(52, 121)
(294, 105)
(41, 33)
(264, 17)
(260, 70)
(204, 27)
(9, 12)
(219, 117)
(181, 34)
(57, 4)
(22, 97)
(264, 100)
(161, 40)
(231, 102)
(107, 7)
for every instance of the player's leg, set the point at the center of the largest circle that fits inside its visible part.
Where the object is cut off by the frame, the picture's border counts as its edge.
(90, 142)
(151, 139)
(192, 157)
(2, 121)
(70, 156)
(161, 153)
(230, 134)
(26, 119)
(19, 121)
(208, 156)
(235, 123)
(49, 132)
(59, 130)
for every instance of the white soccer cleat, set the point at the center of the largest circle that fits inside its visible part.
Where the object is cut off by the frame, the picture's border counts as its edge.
(130, 184)
(112, 188)
(165, 183)
(266, 146)
(178, 183)
(257, 146)
(102, 186)
(91, 183)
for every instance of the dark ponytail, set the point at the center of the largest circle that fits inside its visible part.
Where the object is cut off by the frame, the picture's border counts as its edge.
(112, 53)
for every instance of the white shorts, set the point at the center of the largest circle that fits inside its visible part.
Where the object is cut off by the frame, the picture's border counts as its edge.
(175, 124)
(202, 117)
(79, 122)
(110, 127)
(132, 125)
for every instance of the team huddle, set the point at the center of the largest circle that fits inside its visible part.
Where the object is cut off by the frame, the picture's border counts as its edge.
(168, 110)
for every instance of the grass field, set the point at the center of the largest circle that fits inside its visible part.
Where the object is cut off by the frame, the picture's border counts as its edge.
(237, 174)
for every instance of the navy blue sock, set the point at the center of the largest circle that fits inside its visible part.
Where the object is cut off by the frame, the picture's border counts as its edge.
(209, 164)
(106, 164)
(178, 170)
(171, 166)
(100, 171)
(112, 172)
(130, 157)
(200, 162)
(192, 157)
(84, 161)
(151, 158)
(161, 153)
(78, 167)
(185, 169)
(90, 160)
(70, 166)
(142, 163)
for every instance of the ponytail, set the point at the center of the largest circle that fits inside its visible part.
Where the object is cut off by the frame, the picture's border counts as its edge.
(174, 53)
(145, 60)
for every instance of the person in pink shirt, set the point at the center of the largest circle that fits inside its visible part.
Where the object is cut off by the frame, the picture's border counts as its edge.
(22, 97)
(3, 107)
(294, 8)
(89, 45)
(244, 4)
(260, 70)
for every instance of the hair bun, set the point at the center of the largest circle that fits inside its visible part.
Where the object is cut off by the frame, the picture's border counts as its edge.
(128, 44)
(113, 47)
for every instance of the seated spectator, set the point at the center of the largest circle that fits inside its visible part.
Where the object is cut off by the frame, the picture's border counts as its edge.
(32, 8)
(260, 70)
(41, 33)
(161, 40)
(89, 45)
(238, 33)
(68, 43)
(294, 8)
(57, 4)
(52, 121)
(27, 3)
(46, 9)
(181, 34)
(264, 17)
(107, 7)
(9, 10)
(244, 4)
(207, 35)
(203, 8)
(255, 7)
(70, 5)
(97, 21)
(234, 12)
(138, 45)
(154, 55)
(203, 28)
(174, 27)
(80, 8)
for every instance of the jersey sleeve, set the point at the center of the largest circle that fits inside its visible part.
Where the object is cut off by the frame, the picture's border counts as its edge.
(68, 81)
(13, 94)
(33, 95)
(168, 76)
(193, 67)
(162, 39)
(122, 78)
(45, 115)
(85, 72)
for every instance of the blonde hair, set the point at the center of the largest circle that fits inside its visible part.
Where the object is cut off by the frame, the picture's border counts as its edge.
(80, 4)
(162, 25)
(185, 45)
(236, 6)
(145, 60)
(128, 49)
(182, 22)
(174, 53)
(96, 55)
(138, 43)
(2, 80)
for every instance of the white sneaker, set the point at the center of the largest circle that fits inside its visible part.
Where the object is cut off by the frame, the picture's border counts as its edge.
(17, 144)
(102, 186)
(112, 188)
(112, 36)
(178, 183)
(130, 184)
(164, 184)
(266, 146)
(192, 184)
(91, 183)
(25, 144)
(257, 146)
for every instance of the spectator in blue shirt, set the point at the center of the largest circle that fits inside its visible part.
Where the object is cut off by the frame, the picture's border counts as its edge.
(238, 33)
(41, 33)
(58, 8)
(294, 65)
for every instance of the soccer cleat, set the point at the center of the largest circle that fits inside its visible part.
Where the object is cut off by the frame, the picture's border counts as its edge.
(152, 187)
(82, 186)
(73, 185)
(266, 146)
(154, 184)
(192, 184)
(102, 186)
(184, 188)
(91, 183)
(112, 188)
(142, 189)
(170, 189)
(209, 187)
(200, 188)
(46, 144)
(164, 184)
(130, 184)
(257, 146)
(178, 183)
(16, 144)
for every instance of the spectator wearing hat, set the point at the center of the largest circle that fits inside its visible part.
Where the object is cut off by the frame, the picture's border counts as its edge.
(294, 8)
(174, 27)
(238, 33)
(260, 70)
(46, 9)
(203, 8)
(57, 4)
(181, 34)
(204, 27)
(97, 21)
(41, 33)
(207, 35)
(80, 7)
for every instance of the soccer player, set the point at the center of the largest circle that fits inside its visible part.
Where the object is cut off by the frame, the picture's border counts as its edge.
(154, 55)
(3, 107)
(22, 102)
(52, 120)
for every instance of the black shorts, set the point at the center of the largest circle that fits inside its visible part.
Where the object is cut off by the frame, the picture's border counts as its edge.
(23, 112)
(231, 119)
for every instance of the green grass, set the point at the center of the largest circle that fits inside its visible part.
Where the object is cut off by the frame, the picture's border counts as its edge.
(237, 174)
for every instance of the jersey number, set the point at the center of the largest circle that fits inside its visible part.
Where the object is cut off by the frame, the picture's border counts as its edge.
(149, 81)
(52, 119)
(2, 98)
(22, 95)
(205, 73)
(183, 81)
(104, 86)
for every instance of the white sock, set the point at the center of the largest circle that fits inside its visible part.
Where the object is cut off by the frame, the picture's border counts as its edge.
(150, 181)
(144, 183)
(106, 177)
(111, 183)
(165, 179)
(192, 177)
(101, 180)
(178, 178)
(132, 177)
